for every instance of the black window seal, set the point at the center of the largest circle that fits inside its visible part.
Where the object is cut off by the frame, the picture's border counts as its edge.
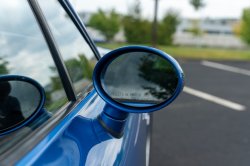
(77, 21)
(61, 68)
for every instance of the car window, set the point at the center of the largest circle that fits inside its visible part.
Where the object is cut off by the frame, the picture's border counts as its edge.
(23, 51)
(76, 53)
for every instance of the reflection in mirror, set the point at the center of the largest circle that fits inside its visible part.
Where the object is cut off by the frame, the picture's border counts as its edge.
(140, 79)
(18, 101)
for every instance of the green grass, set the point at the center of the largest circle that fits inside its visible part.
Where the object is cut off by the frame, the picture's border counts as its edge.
(194, 53)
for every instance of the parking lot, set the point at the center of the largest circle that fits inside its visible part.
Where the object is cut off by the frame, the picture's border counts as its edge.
(209, 123)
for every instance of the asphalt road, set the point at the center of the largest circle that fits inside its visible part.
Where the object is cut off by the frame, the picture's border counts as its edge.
(193, 131)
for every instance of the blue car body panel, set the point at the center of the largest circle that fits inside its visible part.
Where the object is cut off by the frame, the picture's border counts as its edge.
(57, 149)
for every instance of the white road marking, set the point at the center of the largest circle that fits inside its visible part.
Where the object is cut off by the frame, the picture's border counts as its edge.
(138, 128)
(214, 99)
(226, 67)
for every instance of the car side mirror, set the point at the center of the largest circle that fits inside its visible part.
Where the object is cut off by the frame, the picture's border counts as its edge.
(130, 79)
(136, 79)
(21, 99)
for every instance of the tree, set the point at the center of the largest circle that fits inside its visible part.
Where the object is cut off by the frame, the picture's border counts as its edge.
(197, 4)
(167, 28)
(3, 67)
(78, 69)
(136, 29)
(86, 67)
(245, 26)
(237, 28)
(155, 27)
(161, 74)
(55, 80)
(107, 23)
(48, 101)
(195, 30)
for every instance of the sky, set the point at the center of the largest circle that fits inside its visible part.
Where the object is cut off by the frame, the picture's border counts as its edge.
(213, 8)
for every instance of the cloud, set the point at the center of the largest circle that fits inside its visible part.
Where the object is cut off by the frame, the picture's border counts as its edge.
(23, 45)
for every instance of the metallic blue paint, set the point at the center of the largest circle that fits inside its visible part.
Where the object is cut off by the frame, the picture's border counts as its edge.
(39, 152)
(139, 104)
(104, 61)
(114, 120)
(77, 140)
(39, 110)
(80, 140)
(115, 125)
(115, 113)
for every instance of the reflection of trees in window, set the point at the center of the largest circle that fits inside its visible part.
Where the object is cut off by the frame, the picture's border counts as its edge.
(78, 69)
(48, 101)
(162, 73)
(55, 80)
(3, 66)
(86, 67)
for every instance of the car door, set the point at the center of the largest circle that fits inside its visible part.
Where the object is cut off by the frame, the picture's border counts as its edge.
(46, 41)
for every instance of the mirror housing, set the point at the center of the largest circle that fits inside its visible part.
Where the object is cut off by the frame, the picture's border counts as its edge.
(115, 113)
(21, 100)
(104, 62)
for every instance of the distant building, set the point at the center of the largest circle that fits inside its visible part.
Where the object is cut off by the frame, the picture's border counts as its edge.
(95, 34)
(216, 33)
(210, 26)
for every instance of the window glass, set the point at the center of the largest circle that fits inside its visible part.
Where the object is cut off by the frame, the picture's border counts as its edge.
(23, 51)
(76, 53)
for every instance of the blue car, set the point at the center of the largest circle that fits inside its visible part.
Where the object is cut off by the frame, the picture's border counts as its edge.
(62, 103)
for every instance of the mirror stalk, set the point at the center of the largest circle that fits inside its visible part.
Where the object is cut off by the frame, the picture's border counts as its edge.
(115, 113)
(113, 120)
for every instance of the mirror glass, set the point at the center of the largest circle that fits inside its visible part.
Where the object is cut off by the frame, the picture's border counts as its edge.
(140, 79)
(18, 101)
